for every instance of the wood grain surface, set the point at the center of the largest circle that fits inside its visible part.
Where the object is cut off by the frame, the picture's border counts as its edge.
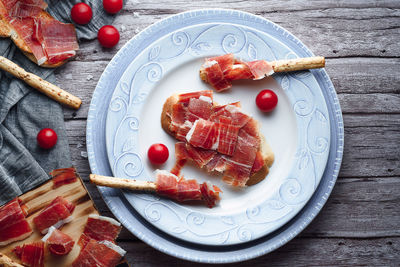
(360, 224)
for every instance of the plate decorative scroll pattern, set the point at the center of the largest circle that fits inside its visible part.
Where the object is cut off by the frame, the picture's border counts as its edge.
(203, 41)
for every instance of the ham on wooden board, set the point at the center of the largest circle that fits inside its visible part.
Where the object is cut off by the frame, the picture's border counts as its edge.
(13, 225)
(49, 40)
(31, 254)
(218, 138)
(56, 214)
(99, 228)
(99, 254)
(220, 71)
(58, 242)
(63, 176)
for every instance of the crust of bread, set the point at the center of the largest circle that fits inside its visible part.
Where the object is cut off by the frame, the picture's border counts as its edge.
(266, 150)
(6, 30)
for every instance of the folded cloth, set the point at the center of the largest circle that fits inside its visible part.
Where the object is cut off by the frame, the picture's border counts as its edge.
(24, 112)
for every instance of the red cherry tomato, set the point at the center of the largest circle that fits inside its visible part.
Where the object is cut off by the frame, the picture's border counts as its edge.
(112, 6)
(108, 36)
(266, 100)
(158, 153)
(81, 13)
(47, 138)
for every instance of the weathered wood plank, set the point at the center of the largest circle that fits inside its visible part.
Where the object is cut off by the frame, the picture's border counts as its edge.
(328, 28)
(298, 252)
(371, 145)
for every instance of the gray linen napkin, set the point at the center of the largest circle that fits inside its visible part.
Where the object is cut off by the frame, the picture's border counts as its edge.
(24, 111)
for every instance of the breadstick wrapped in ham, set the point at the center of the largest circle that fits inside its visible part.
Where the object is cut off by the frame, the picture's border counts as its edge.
(179, 189)
(220, 71)
(168, 185)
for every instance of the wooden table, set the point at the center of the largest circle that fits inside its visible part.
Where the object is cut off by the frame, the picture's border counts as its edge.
(360, 224)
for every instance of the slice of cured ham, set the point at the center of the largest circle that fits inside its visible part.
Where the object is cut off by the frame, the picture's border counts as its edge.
(99, 228)
(179, 189)
(99, 254)
(26, 28)
(220, 71)
(184, 98)
(239, 166)
(220, 136)
(58, 242)
(24, 8)
(13, 225)
(63, 176)
(31, 254)
(57, 39)
(190, 107)
(56, 214)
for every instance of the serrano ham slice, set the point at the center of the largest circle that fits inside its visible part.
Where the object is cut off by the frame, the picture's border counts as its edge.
(26, 28)
(99, 228)
(31, 254)
(13, 225)
(63, 176)
(24, 8)
(58, 242)
(58, 39)
(56, 214)
(220, 71)
(99, 254)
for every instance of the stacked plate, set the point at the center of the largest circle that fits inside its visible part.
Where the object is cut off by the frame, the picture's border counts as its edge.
(305, 132)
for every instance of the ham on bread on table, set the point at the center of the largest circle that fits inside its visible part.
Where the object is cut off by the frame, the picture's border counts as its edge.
(217, 138)
(41, 37)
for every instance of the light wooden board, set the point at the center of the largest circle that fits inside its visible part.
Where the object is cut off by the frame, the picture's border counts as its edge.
(37, 199)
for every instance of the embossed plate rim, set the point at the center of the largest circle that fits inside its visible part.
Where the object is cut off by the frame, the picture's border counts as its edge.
(116, 202)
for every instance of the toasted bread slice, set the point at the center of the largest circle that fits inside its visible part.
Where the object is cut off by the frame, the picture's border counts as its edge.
(265, 149)
(7, 30)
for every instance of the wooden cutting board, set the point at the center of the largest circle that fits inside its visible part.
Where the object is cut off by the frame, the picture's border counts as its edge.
(38, 198)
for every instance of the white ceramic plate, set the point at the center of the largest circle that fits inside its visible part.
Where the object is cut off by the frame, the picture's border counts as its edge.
(298, 132)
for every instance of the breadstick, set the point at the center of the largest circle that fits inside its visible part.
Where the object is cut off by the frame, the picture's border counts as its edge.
(123, 183)
(296, 64)
(49, 89)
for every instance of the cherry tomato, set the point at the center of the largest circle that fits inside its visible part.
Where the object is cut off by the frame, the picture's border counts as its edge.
(108, 36)
(112, 6)
(81, 13)
(266, 100)
(158, 153)
(47, 138)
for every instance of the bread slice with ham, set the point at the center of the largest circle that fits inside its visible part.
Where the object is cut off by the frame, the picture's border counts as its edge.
(43, 39)
(227, 139)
